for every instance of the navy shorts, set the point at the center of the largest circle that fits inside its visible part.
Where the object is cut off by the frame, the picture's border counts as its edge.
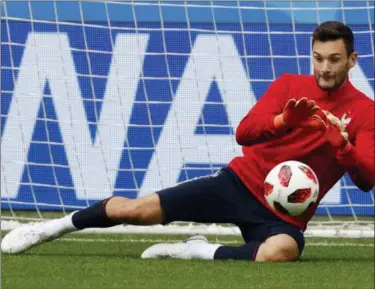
(223, 198)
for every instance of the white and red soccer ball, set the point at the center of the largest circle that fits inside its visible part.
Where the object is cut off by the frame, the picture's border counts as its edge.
(291, 188)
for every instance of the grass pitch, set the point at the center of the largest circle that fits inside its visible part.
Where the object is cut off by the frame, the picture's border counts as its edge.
(113, 261)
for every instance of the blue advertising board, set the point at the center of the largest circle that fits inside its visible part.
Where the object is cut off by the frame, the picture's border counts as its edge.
(122, 100)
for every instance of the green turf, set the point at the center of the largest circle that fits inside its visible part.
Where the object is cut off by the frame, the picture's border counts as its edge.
(113, 261)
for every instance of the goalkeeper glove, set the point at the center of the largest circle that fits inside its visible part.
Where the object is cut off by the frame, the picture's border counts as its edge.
(298, 114)
(334, 130)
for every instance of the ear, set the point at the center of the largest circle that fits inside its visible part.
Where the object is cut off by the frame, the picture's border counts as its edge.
(353, 59)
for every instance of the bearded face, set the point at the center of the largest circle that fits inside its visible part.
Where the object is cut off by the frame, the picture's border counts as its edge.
(331, 63)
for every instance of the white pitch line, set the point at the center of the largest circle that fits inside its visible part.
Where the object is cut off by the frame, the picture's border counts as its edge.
(316, 244)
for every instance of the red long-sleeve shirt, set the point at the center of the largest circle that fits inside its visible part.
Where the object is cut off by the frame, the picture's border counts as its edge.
(264, 147)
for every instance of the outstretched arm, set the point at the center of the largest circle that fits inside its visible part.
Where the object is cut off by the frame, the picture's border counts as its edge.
(358, 158)
(271, 117)
(258, 125)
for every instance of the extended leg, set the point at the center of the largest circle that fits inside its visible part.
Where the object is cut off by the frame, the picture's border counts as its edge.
(118, 210)
(107, 213)
(277, 248)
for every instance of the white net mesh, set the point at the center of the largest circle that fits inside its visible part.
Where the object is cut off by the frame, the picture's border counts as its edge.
(103, 98)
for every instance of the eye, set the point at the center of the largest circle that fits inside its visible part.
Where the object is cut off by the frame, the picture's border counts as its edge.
(334, 60)
(318, 59)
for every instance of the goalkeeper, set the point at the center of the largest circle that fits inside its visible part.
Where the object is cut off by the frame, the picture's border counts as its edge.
(320, 120)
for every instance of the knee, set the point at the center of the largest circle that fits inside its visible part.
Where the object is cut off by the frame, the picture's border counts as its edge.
(278, 248)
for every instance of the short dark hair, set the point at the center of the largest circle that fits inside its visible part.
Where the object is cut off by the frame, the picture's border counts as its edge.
(333, 30)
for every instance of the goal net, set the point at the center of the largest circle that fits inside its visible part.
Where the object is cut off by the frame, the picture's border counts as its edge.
(123, 98)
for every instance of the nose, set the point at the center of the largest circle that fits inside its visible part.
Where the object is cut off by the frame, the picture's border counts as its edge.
(326, 67)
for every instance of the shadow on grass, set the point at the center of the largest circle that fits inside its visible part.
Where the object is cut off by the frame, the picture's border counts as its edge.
(118, 255)
(63, 254)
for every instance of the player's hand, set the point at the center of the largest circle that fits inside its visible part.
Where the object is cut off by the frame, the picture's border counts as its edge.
(298, 113)
(334, 130)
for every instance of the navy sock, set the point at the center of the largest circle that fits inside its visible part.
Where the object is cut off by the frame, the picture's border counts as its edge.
(247, 251)
(93, 217)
